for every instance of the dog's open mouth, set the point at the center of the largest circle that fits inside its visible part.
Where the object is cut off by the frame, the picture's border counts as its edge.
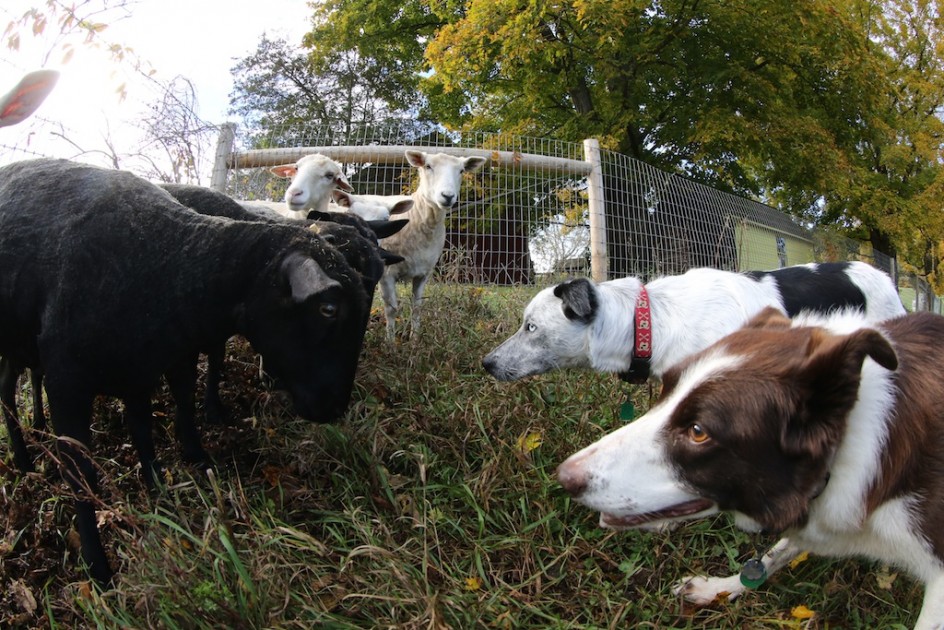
(635, 520)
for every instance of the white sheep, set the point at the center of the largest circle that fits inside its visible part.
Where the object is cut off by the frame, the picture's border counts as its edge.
(313, 178)
(421, 241)
(378, 208)
(369, 207)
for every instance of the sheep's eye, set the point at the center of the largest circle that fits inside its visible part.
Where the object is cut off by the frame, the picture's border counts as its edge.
(329, 175)
(697, 434)
(530, 327)
(328, 310)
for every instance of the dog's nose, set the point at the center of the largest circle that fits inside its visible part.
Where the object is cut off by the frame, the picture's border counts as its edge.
(573, 477)
(489, 364)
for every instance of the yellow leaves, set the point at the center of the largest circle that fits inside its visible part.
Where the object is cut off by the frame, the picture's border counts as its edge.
(528, 442)
(802, 612)
(473, 584)
(803, 557)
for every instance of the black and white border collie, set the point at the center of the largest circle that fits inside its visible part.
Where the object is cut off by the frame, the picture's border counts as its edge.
(826, 429)
(580, 323)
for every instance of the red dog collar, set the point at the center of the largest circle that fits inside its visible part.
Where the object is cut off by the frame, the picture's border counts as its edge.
(638, 371)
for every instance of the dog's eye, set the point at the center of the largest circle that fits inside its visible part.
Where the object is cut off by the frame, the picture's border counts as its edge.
(328, 310)
(697, 434)
(530, 327)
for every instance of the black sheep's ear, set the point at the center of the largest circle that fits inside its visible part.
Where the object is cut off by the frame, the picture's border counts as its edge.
(579, 299)
(383, 229)
(317, 215)
(388, 257)
(305, 277)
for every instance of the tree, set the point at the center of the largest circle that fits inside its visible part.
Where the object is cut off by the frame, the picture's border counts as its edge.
(280, 88)
(175, 142)
(829, 109)
(178, 144)
(67, 26)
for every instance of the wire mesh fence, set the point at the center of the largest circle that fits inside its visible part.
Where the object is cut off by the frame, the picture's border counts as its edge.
(526, 218)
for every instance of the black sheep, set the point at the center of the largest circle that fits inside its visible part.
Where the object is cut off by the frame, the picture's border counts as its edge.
(109, 283)
(9, 374)
(355, 238)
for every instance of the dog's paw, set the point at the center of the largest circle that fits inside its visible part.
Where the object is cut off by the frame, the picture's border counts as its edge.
(701, 590)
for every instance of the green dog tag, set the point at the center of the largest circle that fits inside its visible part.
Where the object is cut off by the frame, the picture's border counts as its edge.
(627, 411)
(753, 573)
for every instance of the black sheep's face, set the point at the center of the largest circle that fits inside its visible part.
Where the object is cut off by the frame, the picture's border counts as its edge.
(362, 254)
(309, 330)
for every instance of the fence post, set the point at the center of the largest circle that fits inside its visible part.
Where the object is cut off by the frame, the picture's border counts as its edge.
(224, 148)
(599, 263)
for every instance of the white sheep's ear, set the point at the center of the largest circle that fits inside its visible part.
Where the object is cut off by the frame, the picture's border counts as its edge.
(341, 182)
(342, 198)
(416, 158)
(284, 170)
(305, 277)
(474, 163)
(401, 206)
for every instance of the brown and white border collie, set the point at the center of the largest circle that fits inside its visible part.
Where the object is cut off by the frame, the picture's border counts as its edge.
(825, 429)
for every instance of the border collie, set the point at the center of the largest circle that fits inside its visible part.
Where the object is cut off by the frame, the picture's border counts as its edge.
(579, 323)
(824, 429)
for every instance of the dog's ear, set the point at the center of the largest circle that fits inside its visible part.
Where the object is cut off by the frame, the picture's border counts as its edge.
(831, 374)
(579, 299)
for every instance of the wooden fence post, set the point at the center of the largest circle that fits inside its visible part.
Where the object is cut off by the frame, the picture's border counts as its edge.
(599, 263)
(224, 148)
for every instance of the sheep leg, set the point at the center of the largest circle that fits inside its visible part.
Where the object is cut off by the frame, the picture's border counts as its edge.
(39, 413)
(9, 375)
(139, 419)
(388, 291)
(212, 404)
(419, 286)
(71, 418)
(183, 381)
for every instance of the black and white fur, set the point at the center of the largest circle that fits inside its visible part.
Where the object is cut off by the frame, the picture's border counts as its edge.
(582, 324)
(828, 431)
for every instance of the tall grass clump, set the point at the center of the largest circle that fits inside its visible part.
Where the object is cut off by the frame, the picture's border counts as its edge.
(432, 505)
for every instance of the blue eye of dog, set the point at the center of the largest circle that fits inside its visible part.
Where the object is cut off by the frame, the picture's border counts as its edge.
(530, 327)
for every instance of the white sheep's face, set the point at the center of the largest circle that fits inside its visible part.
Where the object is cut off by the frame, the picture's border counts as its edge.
(313, 179)
(441, 175)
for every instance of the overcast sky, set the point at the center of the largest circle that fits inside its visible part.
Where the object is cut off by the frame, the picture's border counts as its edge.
(198, 39)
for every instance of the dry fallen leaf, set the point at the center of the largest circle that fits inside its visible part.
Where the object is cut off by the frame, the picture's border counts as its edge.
(803, 557)
(802, 612)
(23, 596)
(885, 579)
(529, 442)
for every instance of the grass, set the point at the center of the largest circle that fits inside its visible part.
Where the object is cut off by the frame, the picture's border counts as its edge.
(433, 505)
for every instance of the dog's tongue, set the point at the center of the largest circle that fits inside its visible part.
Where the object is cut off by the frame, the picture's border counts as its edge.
(634, 520)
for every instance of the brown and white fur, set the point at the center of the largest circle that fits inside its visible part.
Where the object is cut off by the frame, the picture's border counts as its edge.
(828, 430)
